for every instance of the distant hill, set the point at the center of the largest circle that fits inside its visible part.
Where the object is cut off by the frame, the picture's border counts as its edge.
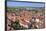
(27, 7)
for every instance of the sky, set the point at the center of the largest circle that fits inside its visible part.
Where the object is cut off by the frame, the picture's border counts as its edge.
(28, 0)
(14, 4)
